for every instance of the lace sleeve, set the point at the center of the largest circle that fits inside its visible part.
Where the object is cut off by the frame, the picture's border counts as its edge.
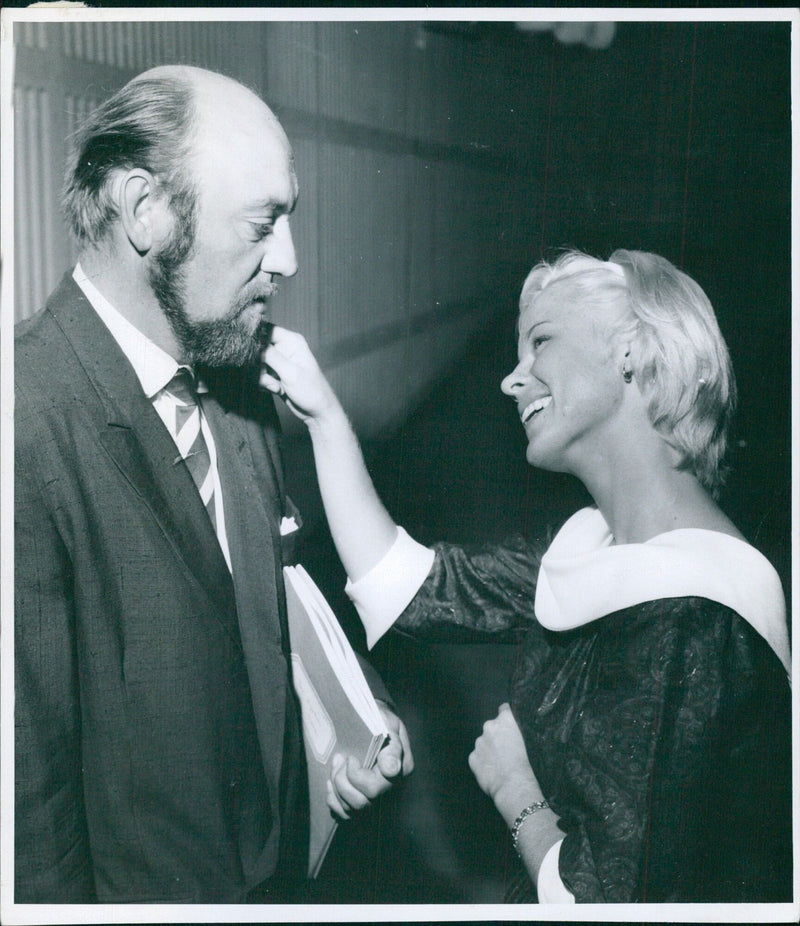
(472, 592)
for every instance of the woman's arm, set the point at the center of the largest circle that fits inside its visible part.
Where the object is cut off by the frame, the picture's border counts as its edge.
(360, 526)
(501, 766)
(483, 590)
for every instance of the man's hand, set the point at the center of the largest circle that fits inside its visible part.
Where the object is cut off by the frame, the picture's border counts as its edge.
(352, 787)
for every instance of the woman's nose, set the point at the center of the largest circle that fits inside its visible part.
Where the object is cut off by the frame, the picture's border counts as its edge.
(515, 380)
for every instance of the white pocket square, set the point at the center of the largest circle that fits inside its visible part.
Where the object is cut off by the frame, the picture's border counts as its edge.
(289, 526)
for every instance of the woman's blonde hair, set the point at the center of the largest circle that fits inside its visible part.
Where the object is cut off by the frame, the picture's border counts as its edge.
(679, 358)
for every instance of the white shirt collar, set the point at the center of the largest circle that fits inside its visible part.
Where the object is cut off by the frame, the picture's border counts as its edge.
(584, 576)
(153, 366)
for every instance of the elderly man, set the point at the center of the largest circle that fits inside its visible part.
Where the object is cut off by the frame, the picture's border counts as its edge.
(159, 752)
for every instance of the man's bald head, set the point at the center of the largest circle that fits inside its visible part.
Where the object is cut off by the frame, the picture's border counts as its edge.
(154, 123)
(218, 99)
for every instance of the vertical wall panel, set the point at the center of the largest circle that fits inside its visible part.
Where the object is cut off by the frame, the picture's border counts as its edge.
(34, 264)
(363, 73)
(290, 65)
(32, 35)
(420, 204)
(363, 239)
(436, 93)
(24, 206)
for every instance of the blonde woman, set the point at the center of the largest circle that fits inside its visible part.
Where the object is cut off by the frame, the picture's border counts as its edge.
(645, 753)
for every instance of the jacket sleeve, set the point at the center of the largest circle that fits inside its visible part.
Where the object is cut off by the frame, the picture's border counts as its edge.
(475, 593)
(52, 857)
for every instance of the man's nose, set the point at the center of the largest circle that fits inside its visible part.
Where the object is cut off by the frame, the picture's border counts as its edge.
(280, 256)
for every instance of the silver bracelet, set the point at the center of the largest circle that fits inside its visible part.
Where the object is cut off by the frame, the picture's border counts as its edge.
(524, 814)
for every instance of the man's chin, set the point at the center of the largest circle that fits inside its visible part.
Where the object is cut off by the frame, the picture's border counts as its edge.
(254, 314)
(239, 347)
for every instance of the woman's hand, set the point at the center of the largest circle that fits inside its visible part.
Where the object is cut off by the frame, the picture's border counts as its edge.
(290, 370)
(360, 526)
(500, 765)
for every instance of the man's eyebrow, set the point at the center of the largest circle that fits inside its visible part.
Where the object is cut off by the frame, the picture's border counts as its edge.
(271, 206)
(263, 205)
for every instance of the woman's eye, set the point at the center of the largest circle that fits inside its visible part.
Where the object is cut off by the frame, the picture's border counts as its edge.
(539, 340)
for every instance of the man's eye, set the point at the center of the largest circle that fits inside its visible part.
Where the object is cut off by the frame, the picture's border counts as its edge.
(261, 231)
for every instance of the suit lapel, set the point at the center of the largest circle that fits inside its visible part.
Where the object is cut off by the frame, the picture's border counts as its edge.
(252, 513)
(142, 448)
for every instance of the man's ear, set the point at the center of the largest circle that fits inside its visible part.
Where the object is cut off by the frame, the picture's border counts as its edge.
(141, 208)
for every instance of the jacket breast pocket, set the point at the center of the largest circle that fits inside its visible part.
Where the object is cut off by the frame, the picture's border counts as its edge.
(291, 528)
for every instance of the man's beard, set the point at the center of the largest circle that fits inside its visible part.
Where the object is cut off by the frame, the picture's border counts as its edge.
(227, 341)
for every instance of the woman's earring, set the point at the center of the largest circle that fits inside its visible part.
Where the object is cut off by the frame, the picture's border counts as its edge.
(627, 372)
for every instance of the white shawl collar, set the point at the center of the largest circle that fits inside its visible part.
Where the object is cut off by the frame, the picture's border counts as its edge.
(584, 576)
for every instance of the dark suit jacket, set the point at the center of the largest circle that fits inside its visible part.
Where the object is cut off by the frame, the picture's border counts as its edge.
(158, 747)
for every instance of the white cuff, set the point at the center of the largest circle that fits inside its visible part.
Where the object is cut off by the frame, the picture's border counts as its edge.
(384, 592)
(549, 885)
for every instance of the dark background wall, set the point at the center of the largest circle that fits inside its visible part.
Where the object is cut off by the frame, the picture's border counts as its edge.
(437, 163)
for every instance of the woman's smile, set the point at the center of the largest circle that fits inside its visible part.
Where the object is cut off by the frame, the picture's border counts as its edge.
(533, 408)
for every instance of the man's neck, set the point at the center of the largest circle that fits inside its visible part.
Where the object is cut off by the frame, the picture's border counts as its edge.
(126, 287)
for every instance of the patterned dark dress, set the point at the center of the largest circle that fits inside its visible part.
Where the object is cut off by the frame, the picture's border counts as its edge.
(660, 734)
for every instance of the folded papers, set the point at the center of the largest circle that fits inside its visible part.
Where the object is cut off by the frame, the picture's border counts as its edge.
(339, 713)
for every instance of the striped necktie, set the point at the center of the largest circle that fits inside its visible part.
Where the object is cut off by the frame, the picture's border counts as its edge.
(189, 437)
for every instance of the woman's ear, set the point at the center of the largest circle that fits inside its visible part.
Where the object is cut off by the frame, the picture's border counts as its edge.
(140, 208)
(627, 362)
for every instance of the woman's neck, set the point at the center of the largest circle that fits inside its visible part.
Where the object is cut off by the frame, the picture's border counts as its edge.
(642, 501)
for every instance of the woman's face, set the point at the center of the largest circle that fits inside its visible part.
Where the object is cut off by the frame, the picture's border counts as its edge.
(568, 383)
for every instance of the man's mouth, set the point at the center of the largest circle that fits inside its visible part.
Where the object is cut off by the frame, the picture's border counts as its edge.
(534, 407)
(258, 301)
(263, 295)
